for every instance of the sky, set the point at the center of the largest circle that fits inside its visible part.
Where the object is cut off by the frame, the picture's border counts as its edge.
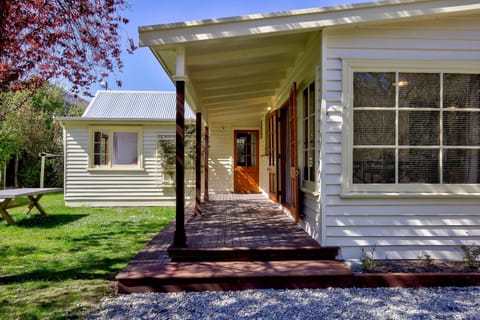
(143, 72)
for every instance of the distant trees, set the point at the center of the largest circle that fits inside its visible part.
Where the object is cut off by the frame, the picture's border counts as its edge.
(42, 41)
(27, 128)
(76, 40)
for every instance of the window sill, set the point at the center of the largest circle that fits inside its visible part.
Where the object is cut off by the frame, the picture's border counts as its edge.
(116, 169)
(407, 195)
(310, 191)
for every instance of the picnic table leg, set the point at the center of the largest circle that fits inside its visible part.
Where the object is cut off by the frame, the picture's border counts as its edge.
(34, 203)
(4, 212)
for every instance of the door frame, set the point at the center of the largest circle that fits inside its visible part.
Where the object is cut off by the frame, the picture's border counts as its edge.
(283, 175)
(257, 159)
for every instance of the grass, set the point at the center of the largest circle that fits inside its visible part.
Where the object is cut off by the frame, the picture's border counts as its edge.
(61, 265)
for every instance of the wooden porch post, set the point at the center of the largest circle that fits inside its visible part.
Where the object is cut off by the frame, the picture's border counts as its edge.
(180, 237)
(198, 164)
(205, 195)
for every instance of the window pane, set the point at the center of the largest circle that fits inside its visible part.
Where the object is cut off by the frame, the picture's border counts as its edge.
(461, 128)
(100, 148)
(419, 90)
(461, 166)
(418, 166)
(305, 134)
(125, 148)
(311, 96)
(374, 127)
(305, 165)
(311, 127)
(461, 90)
(419, 128)
(305, 103)
(373, 89)
(373, 166)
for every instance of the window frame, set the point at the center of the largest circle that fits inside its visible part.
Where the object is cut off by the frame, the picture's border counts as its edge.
(110, 166)
(349, 189)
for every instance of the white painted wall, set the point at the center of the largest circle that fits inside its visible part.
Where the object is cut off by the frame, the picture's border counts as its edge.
(114, 188)
(221, 153)
(400, 228)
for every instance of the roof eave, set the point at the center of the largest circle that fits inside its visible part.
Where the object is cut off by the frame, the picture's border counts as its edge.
(297, 20)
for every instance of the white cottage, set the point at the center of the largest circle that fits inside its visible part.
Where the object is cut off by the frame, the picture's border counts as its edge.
(362, 121)
(114, 153)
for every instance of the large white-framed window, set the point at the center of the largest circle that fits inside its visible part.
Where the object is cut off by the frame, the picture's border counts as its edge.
(116, 148)
(411, 129)
(309, 159)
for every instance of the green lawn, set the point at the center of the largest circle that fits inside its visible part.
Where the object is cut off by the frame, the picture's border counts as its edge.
(60, 266)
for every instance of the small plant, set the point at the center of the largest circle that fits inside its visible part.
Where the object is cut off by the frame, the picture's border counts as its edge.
(368, 259)
(425, 260)
(470, 255)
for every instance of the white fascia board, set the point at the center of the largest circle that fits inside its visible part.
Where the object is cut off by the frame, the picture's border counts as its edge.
(298, 20)
(111, 120)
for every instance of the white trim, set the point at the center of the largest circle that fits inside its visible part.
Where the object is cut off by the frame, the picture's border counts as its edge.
(110, 167)
(349, 190)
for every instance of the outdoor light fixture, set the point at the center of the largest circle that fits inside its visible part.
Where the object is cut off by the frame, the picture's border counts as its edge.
(402, 83)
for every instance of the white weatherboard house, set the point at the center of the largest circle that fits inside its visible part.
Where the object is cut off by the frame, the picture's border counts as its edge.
(362, 121)
(113, 153)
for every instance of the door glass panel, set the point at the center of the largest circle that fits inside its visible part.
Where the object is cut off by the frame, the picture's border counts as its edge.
(246, 149)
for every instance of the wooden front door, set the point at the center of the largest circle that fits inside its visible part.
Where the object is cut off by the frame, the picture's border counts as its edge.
(272, 147)
(294, 172)
(246, 173)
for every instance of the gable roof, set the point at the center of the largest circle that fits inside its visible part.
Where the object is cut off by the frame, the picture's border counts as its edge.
(239, 67)
(134, 105)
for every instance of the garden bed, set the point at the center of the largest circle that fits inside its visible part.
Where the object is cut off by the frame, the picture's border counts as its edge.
(421, 266)
(418, 273)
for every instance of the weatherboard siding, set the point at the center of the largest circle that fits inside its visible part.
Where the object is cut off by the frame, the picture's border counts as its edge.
(399, 228)
(115, 188)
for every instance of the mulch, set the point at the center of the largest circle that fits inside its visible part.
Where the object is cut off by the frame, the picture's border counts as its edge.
(420, 266)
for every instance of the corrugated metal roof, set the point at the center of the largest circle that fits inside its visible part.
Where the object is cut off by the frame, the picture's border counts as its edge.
(158, 105)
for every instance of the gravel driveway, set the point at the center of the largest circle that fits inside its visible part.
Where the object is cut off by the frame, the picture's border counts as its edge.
(382, 303)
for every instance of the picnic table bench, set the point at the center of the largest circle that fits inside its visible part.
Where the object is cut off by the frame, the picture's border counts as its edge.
(33, 194)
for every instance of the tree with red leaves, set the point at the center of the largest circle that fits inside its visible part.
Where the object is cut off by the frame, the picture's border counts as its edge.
(76, 40)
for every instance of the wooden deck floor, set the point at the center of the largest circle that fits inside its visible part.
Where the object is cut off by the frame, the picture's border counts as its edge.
(244, 221)
(246, 236)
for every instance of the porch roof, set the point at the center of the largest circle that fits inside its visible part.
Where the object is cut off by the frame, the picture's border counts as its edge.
(237, 66)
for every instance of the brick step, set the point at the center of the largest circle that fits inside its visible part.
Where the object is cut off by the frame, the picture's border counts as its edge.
(252, 254)
(222, 276)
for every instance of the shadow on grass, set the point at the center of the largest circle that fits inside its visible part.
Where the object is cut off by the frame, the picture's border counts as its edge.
(104, 270)
(49, 221)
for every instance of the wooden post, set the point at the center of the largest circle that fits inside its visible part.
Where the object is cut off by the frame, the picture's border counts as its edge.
(198, 164)
(42, 170)
(180, 237)
(205, 194)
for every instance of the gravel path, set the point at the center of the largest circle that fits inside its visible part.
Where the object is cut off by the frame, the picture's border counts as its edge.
(382, 303)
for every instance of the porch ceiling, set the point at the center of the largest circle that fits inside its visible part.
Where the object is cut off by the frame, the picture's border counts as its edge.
(235, 66)
(237, 78)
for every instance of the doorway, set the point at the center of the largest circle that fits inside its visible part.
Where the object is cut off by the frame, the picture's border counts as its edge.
(246, 171)
(281, 126)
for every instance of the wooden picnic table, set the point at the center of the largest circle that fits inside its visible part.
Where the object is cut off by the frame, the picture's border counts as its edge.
(33, 194)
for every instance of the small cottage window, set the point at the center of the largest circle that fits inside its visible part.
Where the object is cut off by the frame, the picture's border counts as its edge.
(118, 148)
(414, 132)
